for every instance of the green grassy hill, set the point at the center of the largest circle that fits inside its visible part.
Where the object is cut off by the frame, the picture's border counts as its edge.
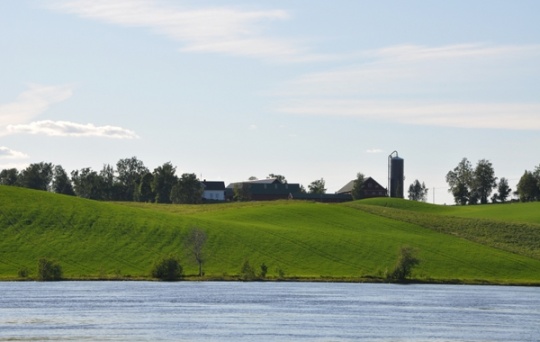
(351, 241)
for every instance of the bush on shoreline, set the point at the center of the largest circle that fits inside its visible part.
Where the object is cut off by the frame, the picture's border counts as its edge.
(49, 270)
(167, 268)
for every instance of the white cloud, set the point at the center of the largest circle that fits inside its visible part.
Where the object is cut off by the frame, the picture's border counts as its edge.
(71, 129)
(374, 151)
(212, 29)
(16, 117)
(7, 153)
(33, 102)
(473, 85)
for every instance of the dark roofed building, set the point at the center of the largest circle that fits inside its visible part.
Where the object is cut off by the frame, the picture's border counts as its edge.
(213, 191)
(371, 188)
(262, 190)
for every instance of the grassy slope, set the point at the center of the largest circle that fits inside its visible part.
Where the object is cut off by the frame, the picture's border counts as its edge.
(512, 212)
(518, 234)
(94, 239)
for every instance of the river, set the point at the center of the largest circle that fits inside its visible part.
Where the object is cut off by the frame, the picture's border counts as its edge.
(266, 311)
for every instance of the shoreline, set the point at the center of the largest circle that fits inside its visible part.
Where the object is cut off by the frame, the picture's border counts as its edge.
(290, 280)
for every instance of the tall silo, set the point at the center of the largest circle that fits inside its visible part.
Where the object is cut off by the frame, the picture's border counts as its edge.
(395, 175)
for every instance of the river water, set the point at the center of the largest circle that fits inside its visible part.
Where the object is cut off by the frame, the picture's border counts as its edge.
(268, 311)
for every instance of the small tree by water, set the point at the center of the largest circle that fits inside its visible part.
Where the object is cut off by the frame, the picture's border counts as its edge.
(247, 272)
(406, 261)
(195, 242)
(167, 268)
(264, 270)
(49, 270)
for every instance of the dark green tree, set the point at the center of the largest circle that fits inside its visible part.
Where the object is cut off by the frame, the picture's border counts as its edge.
(264, 270)
(145, 193)
(528, 188)
(247, 272)
(187, 190)
(417, 191)
(460, 181)
(61, 183)
(36, 176)
(484, 180)
(49, 270)
(317, 187)
(164, 180)
(358, 187)
(110, 189)
(88, 184)
(130, 171)
(9, 176)
(503, 190)
(167, 268)
(406, 261)
(536, 174)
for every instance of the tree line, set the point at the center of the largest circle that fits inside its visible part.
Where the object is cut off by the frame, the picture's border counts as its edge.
(130, 180)
(475, 185)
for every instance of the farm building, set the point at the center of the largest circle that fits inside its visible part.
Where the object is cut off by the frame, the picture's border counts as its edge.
(213, 191)
(371, 188)
(261, 190)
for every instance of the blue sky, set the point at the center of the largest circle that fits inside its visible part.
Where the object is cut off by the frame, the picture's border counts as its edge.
(307, 89)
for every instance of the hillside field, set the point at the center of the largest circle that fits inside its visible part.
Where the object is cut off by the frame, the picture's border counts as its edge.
(355, 241)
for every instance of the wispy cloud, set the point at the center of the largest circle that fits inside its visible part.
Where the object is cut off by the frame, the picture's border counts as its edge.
(17, 117)
(465, 115)
(71, 129)
(470, 85)
(33, 102)
(7, 153)
(210, 29)
(374, 151)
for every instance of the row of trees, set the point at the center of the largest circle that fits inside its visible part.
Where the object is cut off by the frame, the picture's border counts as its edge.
(129, 181)
(471, 185)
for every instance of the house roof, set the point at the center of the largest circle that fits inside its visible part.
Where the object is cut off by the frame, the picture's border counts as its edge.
(216, 186)
(347, 188)
(259, 181)
(265, 181)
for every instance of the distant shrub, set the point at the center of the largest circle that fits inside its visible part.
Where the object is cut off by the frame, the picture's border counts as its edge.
(264, 270)
(247, 272)
(167, 268)
(407, 260)
(49, 270)
(23, 272)
(281, 274)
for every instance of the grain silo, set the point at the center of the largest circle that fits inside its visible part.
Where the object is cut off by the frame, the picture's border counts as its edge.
(395, 175)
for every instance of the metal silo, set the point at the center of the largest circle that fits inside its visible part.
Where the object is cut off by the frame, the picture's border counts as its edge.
(395, 175)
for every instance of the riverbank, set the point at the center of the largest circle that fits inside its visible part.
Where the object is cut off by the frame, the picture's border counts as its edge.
(351, 280)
